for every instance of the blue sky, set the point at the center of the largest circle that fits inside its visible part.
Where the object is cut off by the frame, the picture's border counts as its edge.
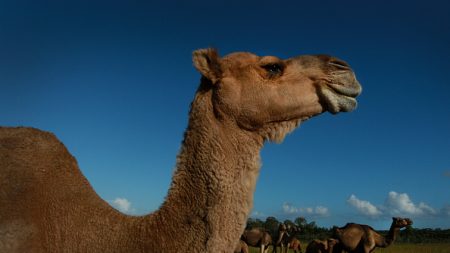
(113, 80)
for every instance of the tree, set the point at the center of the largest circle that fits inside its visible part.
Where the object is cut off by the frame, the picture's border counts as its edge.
(254, 223)
(408, 232)
(271, 225)
(289, 223)
(301, 222)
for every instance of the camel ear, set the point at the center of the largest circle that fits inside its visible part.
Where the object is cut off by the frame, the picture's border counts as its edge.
(207, 62)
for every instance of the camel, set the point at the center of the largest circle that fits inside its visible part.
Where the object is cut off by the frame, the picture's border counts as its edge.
(286, 234)
(295, 245)
(319, 246)
(278, 238)
(357, 238)
(243, 100)
(291, 240)
(257, 237)
(241, 247)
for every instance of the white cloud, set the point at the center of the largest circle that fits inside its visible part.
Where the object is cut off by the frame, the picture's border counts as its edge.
(363, 206)
(257, 214)
(427, 209)
(123, 205)
(313, 211)
(289, 209)
(396, 204)
(401, 204)
(322, 211)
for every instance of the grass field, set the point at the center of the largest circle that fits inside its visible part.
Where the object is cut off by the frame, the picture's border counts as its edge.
(395, 248)
(417, 248)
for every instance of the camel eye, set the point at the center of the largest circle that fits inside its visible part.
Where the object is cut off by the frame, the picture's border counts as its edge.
(273, 69)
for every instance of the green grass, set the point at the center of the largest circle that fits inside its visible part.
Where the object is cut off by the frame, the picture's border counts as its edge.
(256, 250)
(395, 248)
(419, 248)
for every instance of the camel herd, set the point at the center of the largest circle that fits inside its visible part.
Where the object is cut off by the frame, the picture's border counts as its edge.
(258, 237)
(352, 238)
(243, 101)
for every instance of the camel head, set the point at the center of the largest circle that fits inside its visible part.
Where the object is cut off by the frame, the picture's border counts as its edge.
(292, 229)
(328, 245)
(271, 96)
(283, 227)
(401, 222)
(331, 242)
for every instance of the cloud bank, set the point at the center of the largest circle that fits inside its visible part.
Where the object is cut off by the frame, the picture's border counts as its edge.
(396, 204)
(400, 203)
(364, 207)
(318, 211)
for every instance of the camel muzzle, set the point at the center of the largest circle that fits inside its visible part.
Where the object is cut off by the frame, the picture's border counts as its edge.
(340, 92)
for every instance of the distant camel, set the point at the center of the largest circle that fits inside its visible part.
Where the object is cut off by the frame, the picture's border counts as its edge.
(357, 238)
(47, 205)
(241, 247)
(257, 237)
(279, 236)
(319, 246)
(286, 233)
(291, 240)
(295, 245)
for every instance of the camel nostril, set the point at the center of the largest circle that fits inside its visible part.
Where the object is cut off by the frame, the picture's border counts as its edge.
(339, 64)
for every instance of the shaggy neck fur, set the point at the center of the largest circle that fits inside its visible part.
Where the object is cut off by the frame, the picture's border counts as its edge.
(212, 189)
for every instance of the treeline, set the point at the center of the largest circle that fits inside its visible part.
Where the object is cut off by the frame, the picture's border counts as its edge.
(424, 235)
(310, 231)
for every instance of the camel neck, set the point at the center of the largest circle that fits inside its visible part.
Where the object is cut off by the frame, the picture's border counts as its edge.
(392, 235)
(211, 194)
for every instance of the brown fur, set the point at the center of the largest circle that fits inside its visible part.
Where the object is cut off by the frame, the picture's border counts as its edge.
(357, 238)
(257, 237)
(319, 246)
(287, 239)
(47, 205)
(282, 238)
(241, 247)
(295, 245)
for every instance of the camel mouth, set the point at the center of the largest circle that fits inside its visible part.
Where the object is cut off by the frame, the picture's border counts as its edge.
(340, 93)
(409, 222)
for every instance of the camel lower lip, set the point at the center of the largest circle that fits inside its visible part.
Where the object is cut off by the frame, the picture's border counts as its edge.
(337, 102)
